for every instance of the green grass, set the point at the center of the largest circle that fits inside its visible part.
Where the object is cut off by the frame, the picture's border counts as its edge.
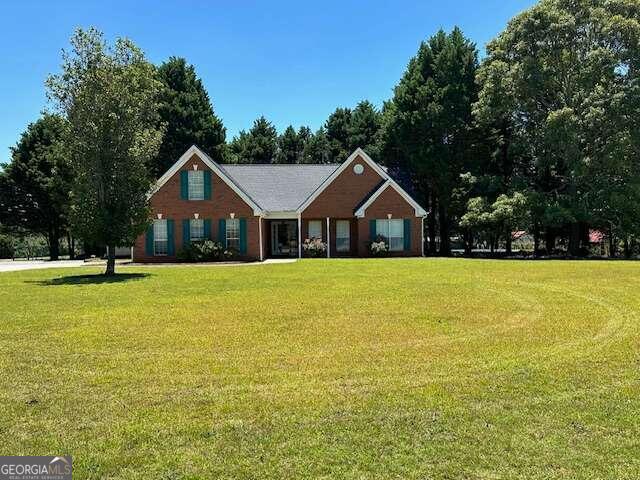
(327, 369)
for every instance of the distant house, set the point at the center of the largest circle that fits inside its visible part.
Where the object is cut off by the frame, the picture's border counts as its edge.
(266, 210)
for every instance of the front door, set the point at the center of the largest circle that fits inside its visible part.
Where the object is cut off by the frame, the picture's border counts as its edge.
(284, 238)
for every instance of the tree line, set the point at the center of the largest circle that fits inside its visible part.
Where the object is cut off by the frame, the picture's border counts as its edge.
(542, 135)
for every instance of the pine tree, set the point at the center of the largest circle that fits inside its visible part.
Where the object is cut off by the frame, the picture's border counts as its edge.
(188, 116)
(259, 145)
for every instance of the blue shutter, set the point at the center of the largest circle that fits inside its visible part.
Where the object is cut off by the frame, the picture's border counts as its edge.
(222, 232)
(407, 234)
(207, 228)
(186, 232)
(184, 185)
(207, 185)
(148, 244)
(171, 247)
(372, 230)
(243, 236)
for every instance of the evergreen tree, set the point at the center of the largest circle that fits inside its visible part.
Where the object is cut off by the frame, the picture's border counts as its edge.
(259, 145)
(429, 124)
(336, 129)
(187, 114)
(364, 128)
(35, 186)
(289, 148)
(316, 149)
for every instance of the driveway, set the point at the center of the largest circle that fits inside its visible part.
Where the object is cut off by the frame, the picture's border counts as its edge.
(14, 266)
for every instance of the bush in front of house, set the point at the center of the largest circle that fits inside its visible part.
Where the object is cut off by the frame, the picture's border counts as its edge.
(203, 251)
(314, 247)
(379, 248)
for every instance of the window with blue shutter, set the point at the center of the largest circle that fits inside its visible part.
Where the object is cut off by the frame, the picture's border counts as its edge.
(222, 232)
(407, 234)
(184, 185)
(243, 236)
(171, 248)
(186, 232)
(207, 185)
(148, 244)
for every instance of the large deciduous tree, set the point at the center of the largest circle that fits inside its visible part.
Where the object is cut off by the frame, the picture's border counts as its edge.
(562, 83)
(187, 113)
(429, 123)
(110, 96)
(35, 186)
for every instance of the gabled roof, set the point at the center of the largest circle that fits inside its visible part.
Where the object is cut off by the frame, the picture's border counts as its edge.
(420, 212)
(186, 156)
(279, 188)
(358, 152)
(284, 188)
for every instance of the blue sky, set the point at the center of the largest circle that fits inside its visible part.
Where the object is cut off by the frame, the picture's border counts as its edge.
(292, 61)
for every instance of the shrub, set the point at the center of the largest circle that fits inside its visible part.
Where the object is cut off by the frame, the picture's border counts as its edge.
(203, 251)
(6, 246)
(379, 248)
(314, 247)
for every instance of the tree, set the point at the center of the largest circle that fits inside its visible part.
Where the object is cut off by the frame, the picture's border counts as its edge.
(561, 82)
(35, 187)
(429, 123)
(364, 128)
(289, 147)
(259, 145)
(110, 96)
(336, 129)
(316, 149)
(188, 116)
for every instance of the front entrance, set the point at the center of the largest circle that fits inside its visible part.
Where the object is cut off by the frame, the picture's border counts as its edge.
(284, 238)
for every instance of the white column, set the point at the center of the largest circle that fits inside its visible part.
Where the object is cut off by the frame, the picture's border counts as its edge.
(328, 240)
(422, 235)
(299, 235)
(260, 237)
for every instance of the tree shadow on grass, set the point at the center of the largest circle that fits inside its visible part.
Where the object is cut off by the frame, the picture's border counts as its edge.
(95, 279)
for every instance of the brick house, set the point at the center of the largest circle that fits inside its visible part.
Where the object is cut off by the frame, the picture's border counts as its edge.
(263, 211)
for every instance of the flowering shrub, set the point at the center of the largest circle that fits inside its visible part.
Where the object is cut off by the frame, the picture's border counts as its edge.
(203, 251)
(314, 247)
(379, 247)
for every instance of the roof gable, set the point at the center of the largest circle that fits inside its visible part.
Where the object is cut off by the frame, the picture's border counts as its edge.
(322, 187)
(186, 156)
(390, 183)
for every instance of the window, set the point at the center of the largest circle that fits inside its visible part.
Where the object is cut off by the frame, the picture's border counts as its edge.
(315, 229)
(196, 229)
(160, 238)
(393, 233)
(233, 233)
(342, 236)
(196, 185)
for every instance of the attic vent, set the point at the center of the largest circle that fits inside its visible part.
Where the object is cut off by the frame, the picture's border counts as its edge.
(358, 169)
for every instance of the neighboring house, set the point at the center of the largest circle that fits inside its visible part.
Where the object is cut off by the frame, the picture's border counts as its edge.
(263, 211)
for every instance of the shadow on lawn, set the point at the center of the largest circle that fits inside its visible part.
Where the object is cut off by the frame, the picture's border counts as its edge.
(91, 279)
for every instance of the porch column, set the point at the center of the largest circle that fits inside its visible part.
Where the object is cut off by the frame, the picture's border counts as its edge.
(422, 235)
(328, 240)
(260, 237)
(299, 235)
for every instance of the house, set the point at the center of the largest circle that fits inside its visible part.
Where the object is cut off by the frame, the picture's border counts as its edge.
(263, 211)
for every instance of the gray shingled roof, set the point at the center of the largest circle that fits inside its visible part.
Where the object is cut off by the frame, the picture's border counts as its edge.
(278, 188)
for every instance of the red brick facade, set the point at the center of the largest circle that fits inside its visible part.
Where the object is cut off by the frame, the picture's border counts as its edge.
(338, 201)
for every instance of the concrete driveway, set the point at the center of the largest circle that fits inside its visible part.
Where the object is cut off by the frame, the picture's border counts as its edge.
(14, 266)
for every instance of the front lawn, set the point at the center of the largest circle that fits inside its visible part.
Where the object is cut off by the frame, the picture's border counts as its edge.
(327, 369)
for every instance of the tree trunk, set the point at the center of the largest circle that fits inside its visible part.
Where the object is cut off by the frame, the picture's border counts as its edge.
(627, 248)
(111, 260)
(445, 243)
(54, 245)
(574, 240)
(431, 224)
(536, 241)
(508, 242)
(612, 244)
(70, 247)
(468, 242)
(549, 241)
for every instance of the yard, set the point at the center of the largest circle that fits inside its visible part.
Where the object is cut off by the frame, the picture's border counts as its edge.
(327, 369)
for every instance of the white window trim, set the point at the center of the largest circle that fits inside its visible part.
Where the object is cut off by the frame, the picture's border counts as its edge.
(155, 237)
(191, 193)
(388, 237)
(319, 229)
(191, 223)
(228, 223)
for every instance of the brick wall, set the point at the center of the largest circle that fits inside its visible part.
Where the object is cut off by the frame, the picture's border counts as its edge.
(224, 201)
